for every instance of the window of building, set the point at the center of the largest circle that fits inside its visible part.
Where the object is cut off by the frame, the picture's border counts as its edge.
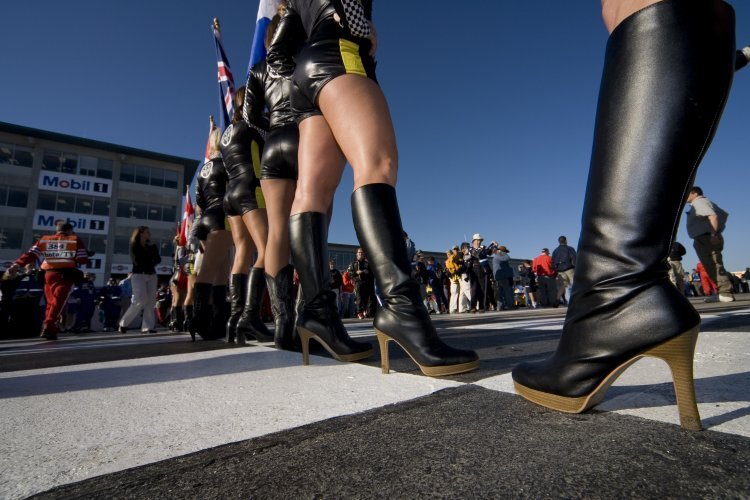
(127, 173)
(170, 213)
(83, 205)
(87, 165)
(13, 197)
(11, 237)
(72, 163)
(101, 206)
(97, 243)
(13, 154)
(165, 248)
(140, 210)
(65, 202)
(6, 153)
(342, 258)
(17, 198)
(46, 200)
(122, 245)
(141, 174)
(171, 179)
(150, 211)
(152, 176)
(157, 177)
(104, 169)
(154, 212)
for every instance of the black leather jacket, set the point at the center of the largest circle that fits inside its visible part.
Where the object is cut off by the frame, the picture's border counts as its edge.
(262, 90)
(236, 149)
(300, 22)
(212, 185)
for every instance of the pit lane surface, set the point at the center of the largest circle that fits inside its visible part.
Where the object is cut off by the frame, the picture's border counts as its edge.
(108, 415)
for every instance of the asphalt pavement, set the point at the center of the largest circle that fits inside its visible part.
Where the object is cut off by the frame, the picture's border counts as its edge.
(156, 416)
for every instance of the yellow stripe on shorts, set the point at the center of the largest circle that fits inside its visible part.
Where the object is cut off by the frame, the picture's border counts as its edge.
(350, 57)
(255, 151)
(259, 197)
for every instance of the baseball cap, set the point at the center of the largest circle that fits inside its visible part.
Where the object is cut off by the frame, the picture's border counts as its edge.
(477, 236)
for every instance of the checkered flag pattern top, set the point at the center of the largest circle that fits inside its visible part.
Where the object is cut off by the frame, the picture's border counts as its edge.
(353, 18)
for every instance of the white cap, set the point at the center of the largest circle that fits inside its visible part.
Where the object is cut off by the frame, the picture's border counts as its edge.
(477, 236)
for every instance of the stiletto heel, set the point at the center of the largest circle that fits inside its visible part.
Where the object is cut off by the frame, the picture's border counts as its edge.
(383, 342)
(677, 353)
(430, 371)
(304, 336)
(319, 319)
(403, 317)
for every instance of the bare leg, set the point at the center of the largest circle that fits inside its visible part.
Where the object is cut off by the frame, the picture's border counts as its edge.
(256, 222)
(279, 194)
(368, 142)
(366, 137)
(615, 11)
(320, 166)
(243, 246)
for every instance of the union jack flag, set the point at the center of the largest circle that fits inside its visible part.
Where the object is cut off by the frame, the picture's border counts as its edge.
(225, 78)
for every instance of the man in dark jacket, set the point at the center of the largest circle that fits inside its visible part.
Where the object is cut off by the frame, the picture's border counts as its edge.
(364, 285)
(564, 260)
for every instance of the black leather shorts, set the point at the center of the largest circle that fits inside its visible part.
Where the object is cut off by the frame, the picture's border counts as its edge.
(328, 54)
(211, 220)
(280, 153)
(243, 195)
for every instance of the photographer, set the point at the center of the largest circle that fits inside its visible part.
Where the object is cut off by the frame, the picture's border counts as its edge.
(61, 253)
(479, 271)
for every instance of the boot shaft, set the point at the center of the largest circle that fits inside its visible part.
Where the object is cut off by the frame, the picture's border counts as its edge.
(377, 222)
(667, 74)
(237, 292)
(256, 287)
(308, 241)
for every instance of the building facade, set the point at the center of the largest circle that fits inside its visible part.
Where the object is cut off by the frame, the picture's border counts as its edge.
(104, 190)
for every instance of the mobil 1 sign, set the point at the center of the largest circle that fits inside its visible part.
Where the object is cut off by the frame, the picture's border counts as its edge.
(75, 184)
(91, 224)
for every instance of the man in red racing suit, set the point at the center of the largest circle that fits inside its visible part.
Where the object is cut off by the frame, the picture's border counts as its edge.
(61, 253)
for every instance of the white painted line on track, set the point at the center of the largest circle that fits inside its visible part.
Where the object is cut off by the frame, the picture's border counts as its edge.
(105, 417)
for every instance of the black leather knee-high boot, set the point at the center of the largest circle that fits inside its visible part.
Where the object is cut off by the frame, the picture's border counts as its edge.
(187, 323)
(176, 317)
(403, 317)
(220, 312)
(667, 73)
(237, 297)
(319, 319)
(201, 322)
(280, 290)
(250, 323)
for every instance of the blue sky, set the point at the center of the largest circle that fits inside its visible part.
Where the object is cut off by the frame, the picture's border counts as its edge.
(493, 108)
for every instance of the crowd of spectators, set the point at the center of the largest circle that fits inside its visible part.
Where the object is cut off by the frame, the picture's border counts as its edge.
(89, 308)
(475, 278)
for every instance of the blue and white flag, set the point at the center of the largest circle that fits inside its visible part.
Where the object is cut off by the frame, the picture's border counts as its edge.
(266, 11)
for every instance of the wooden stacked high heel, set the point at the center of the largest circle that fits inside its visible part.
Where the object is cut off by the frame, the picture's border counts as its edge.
(403, 318)
(430, 371)
(677, 353)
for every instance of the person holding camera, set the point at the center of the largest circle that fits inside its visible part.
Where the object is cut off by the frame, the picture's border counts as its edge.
(61, 254)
